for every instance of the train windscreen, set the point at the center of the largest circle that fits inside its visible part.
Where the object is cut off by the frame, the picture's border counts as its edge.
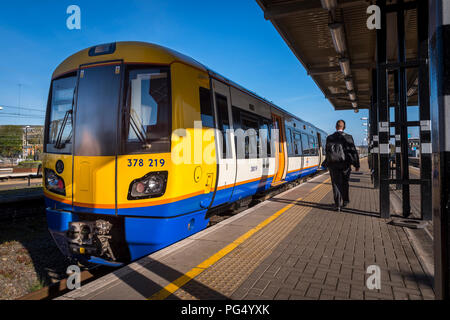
(60, 115)
(84, 118)
(97, 110)
(147, 111)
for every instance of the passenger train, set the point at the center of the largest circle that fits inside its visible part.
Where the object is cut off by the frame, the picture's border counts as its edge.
(124, 174)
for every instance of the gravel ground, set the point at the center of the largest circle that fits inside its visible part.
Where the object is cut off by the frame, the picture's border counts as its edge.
(219, 217)
(29, 258)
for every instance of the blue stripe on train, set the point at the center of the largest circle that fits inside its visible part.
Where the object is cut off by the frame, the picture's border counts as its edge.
(308, 171)
(248, 189)
(300, 173)
(168, 210)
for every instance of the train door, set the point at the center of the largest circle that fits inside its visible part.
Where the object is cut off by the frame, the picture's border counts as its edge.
(307, 153)
(299, 148)
(280, 150)
(226, 155)
(95, 138)
(319, 141)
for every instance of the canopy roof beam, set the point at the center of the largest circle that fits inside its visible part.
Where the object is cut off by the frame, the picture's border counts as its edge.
(286, 9)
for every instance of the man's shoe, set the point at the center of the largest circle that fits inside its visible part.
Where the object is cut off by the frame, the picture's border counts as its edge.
(345, 203)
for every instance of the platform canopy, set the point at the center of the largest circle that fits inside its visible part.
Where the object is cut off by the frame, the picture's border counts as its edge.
(332, 41)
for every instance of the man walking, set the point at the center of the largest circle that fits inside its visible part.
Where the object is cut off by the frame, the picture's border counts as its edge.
(341, 154)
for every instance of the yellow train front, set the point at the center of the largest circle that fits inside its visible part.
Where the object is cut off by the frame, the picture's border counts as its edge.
(109, 179)
(131, 161)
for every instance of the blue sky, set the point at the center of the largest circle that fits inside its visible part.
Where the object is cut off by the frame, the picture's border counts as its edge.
(231, 37)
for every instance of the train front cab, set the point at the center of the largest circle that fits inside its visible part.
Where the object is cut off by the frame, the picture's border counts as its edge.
(123, 173)
(113, 193)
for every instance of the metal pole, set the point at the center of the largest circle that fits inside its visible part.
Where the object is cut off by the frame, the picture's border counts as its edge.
(398, 149)
(383, 115)
(424, 111)
(374, 130)
(402, 82)
(26, 141)
(439, 36)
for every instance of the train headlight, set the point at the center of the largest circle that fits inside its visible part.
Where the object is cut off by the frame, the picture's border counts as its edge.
(54, 183)
(151, 185)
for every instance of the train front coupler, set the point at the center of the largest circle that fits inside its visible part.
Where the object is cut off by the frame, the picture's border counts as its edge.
(91, 238)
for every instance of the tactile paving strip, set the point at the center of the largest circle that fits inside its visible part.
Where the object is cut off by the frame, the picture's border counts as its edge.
(221, 279)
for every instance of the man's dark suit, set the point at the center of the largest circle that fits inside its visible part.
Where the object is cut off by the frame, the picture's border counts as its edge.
(340, 171)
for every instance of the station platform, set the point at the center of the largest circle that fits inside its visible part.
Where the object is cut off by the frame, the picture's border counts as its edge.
(292, 246)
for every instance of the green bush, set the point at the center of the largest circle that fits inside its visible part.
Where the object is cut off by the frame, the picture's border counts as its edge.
(29, 164)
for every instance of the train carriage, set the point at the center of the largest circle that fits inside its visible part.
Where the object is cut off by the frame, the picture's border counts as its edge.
(143, 143)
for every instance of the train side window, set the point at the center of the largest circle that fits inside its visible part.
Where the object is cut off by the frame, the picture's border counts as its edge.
(236, 117)
(290, 143)
(269, 141)
(206, 111)
(236, 125)
(297, 144)
(224, 124)
(305, 145)
(312, 146)
(265, 125)
(316, 146)
(250, 127)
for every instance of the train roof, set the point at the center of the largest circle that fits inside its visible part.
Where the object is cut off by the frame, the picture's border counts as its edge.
(142, 52)
(234, 84)
(129, 52)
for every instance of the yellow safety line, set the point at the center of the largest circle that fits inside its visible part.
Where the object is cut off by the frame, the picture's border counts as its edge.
(188, 276)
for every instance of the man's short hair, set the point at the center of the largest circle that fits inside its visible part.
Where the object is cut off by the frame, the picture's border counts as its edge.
(338, 123)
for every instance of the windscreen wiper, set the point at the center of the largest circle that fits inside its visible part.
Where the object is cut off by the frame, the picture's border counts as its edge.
(58, 143)
(140, 135)
(134, 125)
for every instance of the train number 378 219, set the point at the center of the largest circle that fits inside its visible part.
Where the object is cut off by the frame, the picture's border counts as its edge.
(150, 163)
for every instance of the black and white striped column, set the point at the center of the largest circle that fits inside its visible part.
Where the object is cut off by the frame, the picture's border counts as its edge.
(439, 35)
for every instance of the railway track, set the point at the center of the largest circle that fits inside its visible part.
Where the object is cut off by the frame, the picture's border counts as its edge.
(21, 203)
(25, 208)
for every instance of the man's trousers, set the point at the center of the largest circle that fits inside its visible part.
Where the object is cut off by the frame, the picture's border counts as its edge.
(339, 180)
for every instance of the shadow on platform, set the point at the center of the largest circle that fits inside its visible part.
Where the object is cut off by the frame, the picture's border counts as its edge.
(327, 207)
(146, 287)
